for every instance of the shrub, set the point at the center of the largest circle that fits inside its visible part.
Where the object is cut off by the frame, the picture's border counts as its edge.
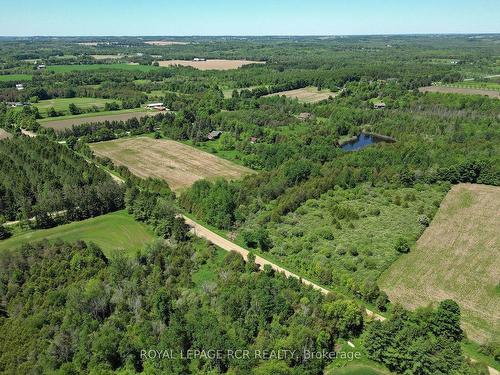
(423, 220)
(402, 246)
(4, 232)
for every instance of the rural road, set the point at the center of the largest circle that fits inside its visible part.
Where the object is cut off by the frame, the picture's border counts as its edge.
(200, 231)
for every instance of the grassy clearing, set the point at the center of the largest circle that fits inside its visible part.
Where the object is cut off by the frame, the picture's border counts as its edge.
(75, 68)
(180, 165)
(352, 233)
(90, 114)
(308, 94)
(207, 273)
(114, 231)
(62, 105)
(15, 77)
(352, 365)
(461, 90)
(66, 122)
(215, 147)
(457, 258)
(476, 85)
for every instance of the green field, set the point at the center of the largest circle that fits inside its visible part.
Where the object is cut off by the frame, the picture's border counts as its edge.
(62, 104)
(457, 258)
(476, 85)
(117, 230)
(207, 272)
(74, 68)
(89, 114)
(15, 77)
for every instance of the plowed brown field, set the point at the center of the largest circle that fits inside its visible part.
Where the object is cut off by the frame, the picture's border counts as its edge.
(180, 165)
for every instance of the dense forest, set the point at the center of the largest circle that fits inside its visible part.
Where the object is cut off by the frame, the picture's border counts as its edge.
(94, 314)
(40, 178)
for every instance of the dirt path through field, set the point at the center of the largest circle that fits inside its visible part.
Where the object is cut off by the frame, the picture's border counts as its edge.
(200, 231)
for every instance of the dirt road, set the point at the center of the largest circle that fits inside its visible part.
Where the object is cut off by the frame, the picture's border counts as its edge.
(200, 231)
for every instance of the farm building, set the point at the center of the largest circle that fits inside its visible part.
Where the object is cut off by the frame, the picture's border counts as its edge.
(199, 59)
(41, 66)
(214, 134)
(379, 105)
(305, 116)
(156, 106)
(17, 104)
(19, 86)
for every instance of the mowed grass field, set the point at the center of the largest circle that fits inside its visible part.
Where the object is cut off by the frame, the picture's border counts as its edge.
(215, 64)
(456, 257)
(62, 104)
(114, 231)
(461, 90)
(15, 77)
(179, 164)
(66, 122)
(306, 95)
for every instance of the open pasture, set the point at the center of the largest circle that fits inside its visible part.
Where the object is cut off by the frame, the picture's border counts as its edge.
(114, 231)
(62, 104)
(15, 77)
(179, 164)
(66, 122)
(216, 64)
(456, 258)
(306, 95)
(461, 90)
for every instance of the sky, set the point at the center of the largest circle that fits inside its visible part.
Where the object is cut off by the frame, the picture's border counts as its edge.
(248, 17)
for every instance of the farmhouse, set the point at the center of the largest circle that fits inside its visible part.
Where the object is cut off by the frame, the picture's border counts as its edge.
(214, 134)
(156, 106)
(305, 116)
(19, 86)
(41, 66)
(379, 105)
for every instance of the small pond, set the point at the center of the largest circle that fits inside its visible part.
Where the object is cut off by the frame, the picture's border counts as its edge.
(364, 140)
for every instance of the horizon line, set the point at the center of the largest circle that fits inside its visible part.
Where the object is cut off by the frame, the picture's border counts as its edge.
(251, 35)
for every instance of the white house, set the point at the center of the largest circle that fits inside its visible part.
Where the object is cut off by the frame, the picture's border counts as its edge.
(157, 106)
